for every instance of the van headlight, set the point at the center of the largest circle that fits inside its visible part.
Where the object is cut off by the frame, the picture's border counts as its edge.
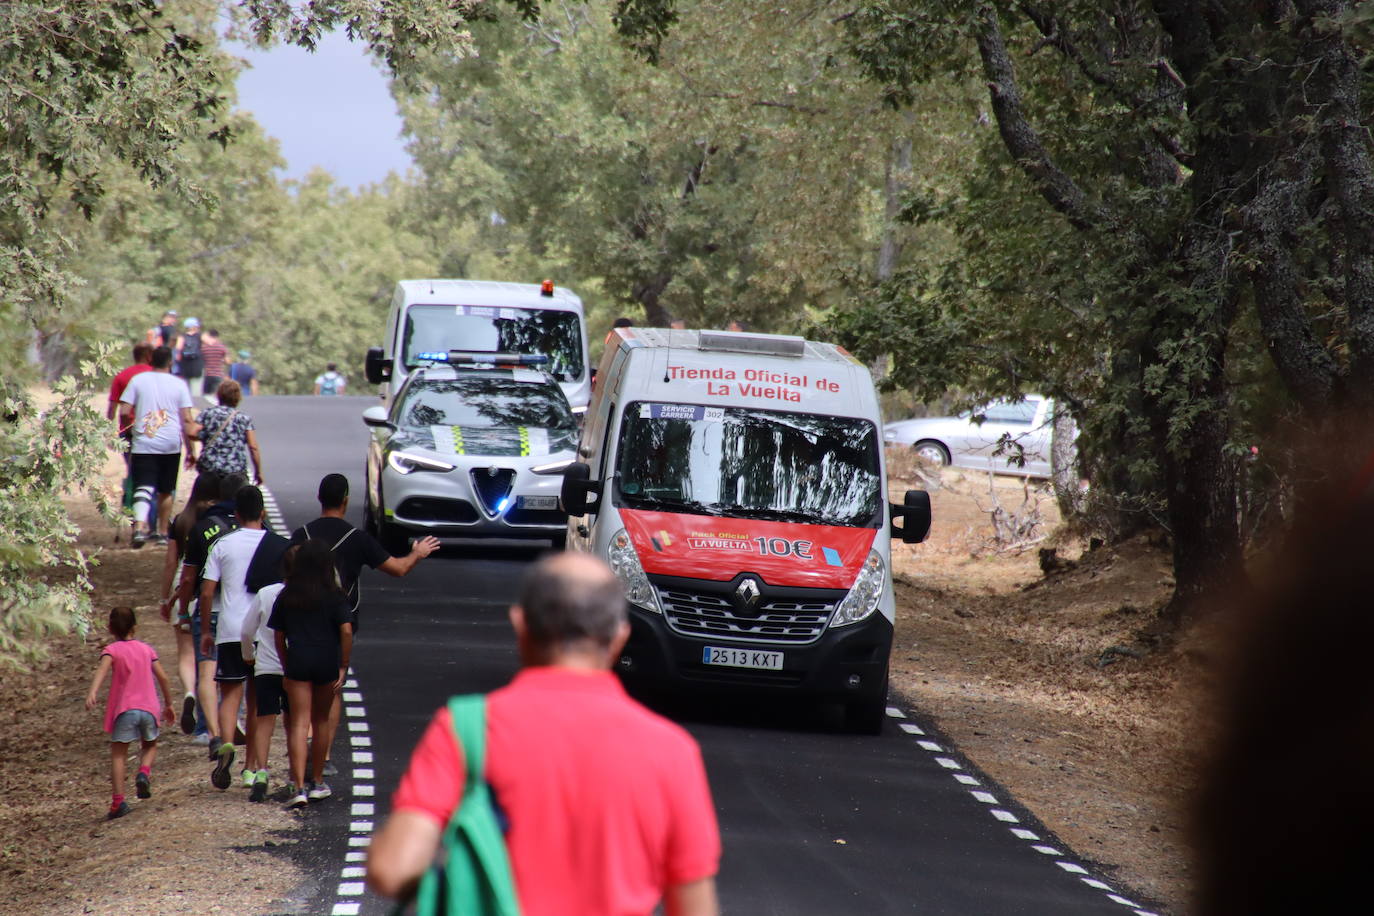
(865, 594)
(624, 563)
(406, 462)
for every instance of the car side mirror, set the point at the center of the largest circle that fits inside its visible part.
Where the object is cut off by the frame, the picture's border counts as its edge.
(376, 366)
(915, 515)
(578, 487)
(376, 416)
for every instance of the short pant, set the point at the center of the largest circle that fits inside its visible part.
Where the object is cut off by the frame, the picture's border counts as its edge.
(195, 636)
(230, 668)
(317, 664)
(271, 694)
(156, 471)
(134, 725)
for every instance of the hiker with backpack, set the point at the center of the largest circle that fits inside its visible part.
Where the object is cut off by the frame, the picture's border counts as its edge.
(353, 549)
(331, 382)
(606, 805)
(190, 358)
(313, 640)
(224, 592)
(216, 521)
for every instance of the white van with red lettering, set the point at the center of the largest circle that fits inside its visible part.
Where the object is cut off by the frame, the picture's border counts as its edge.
(735, 484)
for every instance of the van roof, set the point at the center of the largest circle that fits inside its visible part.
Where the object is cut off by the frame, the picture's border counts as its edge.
(738, 342)
(486, 292)
(765, 371)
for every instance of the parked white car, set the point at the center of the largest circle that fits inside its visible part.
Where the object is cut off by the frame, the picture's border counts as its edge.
(965, 442)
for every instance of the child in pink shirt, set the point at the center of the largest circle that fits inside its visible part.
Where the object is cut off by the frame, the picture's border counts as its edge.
(130, 710)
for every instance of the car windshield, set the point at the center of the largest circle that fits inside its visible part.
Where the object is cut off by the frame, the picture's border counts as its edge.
(484, 403)
(1021, 413)
(489, 329)
(751, 463)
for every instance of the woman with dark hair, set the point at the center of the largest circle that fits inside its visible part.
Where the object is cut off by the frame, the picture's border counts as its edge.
(314, 637)
(203, 494)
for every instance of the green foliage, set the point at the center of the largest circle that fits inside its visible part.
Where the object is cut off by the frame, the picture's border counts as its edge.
(47, 448)
(741, 177)
(122, 195)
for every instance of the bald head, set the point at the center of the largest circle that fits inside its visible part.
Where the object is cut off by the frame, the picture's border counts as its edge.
(570, 600)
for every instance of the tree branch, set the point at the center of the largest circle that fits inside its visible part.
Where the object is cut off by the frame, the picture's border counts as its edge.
(1274, 216)
(1169, 151)
(1022, 140)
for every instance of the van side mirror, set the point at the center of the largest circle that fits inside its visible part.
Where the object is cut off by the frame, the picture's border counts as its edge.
(915, 515)
(376, 366)
(577, 487)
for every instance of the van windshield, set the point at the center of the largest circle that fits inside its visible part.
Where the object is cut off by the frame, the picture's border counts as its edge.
(750, 463)
(492, 329)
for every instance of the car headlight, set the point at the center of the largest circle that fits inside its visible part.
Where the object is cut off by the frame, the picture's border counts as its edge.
(865, 594)
(624, 563)
(406, 462)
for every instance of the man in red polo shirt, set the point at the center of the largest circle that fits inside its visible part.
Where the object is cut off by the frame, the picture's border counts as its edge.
(608, 804)
(143, 361)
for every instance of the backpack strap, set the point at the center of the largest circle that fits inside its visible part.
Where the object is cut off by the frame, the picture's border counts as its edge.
(469, 716)
(339, 543)
(474, 877)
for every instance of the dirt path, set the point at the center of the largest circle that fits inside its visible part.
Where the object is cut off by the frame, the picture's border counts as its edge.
(1015, 669)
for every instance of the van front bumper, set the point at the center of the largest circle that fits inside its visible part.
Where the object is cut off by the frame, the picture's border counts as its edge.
(847, 663)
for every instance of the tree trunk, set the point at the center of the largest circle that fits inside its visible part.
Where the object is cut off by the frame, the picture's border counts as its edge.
(896, 180)
(1064, 464)
(648, 293)
(1202, 514)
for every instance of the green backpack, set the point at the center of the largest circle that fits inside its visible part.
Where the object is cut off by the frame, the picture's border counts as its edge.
(474, 876)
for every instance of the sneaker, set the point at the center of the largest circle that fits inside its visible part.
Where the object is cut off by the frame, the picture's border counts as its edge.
(212, 747)
(201, 738)
(259, 790)
(160, 540)
(329, 769)
(219, 777)
(139, 539)
(188, 715)
(117, 811)
(248, 778)
(297, 799)
(143, 786)
(319, 791)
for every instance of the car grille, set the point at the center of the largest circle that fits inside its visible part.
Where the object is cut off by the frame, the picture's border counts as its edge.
(790, 621)
(431, 509)
(493, 486)
(519, 516)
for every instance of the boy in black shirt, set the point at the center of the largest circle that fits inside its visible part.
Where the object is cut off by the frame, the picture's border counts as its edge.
(353, 549)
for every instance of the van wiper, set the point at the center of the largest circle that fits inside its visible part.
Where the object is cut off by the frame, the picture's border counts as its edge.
(670, 505)
(786, 515)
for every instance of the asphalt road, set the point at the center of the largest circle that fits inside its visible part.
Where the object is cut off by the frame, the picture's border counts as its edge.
(814, 821)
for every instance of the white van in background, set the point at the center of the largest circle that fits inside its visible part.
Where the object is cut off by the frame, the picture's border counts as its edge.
(437, 316)
(735, 484)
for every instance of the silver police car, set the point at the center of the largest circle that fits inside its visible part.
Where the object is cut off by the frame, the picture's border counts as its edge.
(469, 452)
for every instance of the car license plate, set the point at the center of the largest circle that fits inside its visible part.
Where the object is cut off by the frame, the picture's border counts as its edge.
(741, 658)
(538, 502)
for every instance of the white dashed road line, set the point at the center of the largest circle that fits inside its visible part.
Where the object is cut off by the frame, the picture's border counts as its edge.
(957, 769)
(275, 521)
(360, 813)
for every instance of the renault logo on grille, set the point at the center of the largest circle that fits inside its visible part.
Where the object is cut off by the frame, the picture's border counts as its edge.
(747, 595)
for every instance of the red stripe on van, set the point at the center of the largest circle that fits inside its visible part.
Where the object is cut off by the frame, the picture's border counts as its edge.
(718, 549)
